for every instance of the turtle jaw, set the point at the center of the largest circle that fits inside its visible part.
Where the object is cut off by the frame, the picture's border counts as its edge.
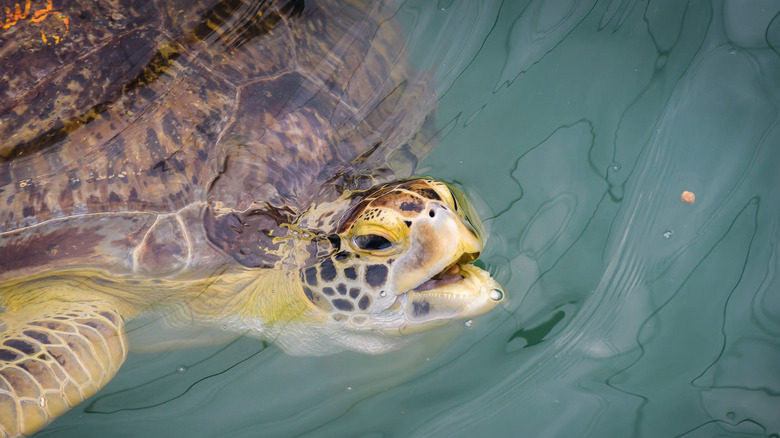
(460, 291)
(453, 273)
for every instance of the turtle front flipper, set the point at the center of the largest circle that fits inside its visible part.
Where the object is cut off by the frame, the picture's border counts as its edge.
(53, 356)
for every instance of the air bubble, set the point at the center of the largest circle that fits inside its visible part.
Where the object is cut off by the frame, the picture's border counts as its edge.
(382, 293)
(614, 167)
(668, 234)
(349, 388)
(443, 5)
(469, 322)
(496, 295)
(42, 402)
(181, 369)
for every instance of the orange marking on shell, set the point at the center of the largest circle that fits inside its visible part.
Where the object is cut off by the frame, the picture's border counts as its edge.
(12, 18)
(41, 14)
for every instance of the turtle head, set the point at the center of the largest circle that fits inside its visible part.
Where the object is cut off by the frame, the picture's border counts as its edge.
(402, 262)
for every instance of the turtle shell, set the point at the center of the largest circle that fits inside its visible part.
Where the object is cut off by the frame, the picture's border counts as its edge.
(116, 115)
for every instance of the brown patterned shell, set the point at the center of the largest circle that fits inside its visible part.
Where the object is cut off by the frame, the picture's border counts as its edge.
(115, 114)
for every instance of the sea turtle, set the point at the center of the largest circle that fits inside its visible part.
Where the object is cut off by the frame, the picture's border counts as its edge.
(236, 163)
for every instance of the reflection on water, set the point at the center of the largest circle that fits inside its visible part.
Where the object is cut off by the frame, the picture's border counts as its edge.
(577, 125)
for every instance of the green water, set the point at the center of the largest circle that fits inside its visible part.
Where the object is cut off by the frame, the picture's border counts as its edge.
(575, 126)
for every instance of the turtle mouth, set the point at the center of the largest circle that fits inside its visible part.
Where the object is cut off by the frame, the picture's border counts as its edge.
(452, 273)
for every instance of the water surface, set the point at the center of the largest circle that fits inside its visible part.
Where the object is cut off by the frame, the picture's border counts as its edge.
(575, 126)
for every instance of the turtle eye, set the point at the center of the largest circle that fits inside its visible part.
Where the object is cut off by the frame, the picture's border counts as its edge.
(371, 242)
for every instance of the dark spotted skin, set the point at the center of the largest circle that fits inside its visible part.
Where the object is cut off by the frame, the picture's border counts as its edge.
(337, 282)
(327, 270)
(343, 304)
(310, 276)
(376, 275)
(350, 273)
(421, 308)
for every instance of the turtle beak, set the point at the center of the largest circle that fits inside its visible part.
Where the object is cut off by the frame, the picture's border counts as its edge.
(434, 245)
(435, 279)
